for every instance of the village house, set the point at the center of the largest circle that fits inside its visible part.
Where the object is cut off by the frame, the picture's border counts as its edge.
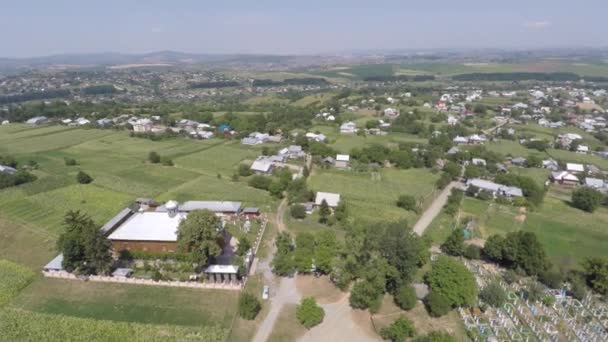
(519, 161)
(142, 125)
(494, 188)
(316, 137)
(7, 170)
(348, 128)
(293, 152)
(596, 183)
(262, 166)
(37, 120)
(390, 112)
(550, 164)
(342, 161)
(564, 178)
(255, 138)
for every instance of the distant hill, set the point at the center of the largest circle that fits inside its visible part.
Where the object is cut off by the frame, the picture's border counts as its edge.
(118, 59)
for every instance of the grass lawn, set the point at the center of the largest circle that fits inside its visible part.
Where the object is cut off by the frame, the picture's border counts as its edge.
(440, 228)
(568, 234)
(369, 199)
(130, 303)
(287, 328)
(424, 323)
(13, 278)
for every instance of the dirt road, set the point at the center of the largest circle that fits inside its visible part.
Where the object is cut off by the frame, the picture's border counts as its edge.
(339, 325)
(287, 293)
(434, 209)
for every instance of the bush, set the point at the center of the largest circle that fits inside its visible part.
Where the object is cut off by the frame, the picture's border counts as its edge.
(249, 306)
(309, 313)
(166, 161)
(452, 280)
(298, 211)
(407, 202)
(69, 161)
(154, 157)
(435, 336)
(244, 170)
(399, 330)
(83, 178)
(553, 279)
(493, 295)
(405, 297)
(260, 182)
(436, 304)
(587, 199)
(454, 244)
(472, 252)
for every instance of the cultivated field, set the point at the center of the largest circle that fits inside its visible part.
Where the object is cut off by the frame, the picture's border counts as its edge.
(31, 216)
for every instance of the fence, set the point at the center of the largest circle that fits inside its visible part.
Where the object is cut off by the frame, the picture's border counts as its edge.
(236, 285)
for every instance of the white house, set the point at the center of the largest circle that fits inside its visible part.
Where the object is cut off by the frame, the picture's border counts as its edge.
(262, 166)
(572, 167)
(348, 128)
(342, 161)
(494, 188)
(390, 112)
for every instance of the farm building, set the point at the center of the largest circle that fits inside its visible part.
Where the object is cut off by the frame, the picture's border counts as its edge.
(332, 199)
(148, 231)
(575, 168)
(494, 188)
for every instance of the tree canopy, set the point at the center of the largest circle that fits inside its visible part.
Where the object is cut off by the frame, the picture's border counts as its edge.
(199, 235)
(452, 280)
(84, 248)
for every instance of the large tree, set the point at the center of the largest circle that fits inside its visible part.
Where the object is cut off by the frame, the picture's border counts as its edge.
(596, 274)
(587, 199)
(83, 245)
(518, 250)
(200, 236)
(451, 279)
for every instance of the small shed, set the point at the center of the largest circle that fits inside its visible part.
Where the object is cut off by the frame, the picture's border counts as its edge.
(251, 212)
(222, 273)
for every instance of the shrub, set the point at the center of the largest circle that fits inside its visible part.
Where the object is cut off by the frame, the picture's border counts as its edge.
(83, 178)
(453, 280)
(454, 244)
(436, 304)
(298, 211)
(493, 295)
(472, 252)
(553, 279)
(260, 182)
(407, 202)
(309, 313)
(69, 161)
(435, 336)
(405, 297)
(244, 170)
(399, 330)
(249, 306)
(154, 157)
(166, 161)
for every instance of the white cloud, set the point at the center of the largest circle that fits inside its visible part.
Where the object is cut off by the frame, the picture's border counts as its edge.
(537, 25)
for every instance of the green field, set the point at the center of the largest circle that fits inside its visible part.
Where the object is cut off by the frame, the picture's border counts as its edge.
(129, 303)
(367, 198)
(31, 217)
(568, 234)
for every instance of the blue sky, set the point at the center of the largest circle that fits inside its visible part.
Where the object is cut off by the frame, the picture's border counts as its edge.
(45, 27)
